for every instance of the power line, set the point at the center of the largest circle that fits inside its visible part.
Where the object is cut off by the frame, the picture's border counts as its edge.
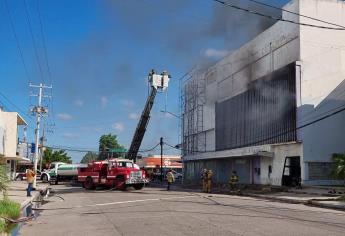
(17, 40)
(273, 17)
(339, 110)
(294, 13)
(44, 42)
(151, 149)
(14, 105)
(33, 40)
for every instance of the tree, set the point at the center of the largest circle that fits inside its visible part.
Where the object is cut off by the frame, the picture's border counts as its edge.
(338, 170)
(50, 156)
(89, 157)
(107, 142)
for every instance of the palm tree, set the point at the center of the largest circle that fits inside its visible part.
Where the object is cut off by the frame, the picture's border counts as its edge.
(338, 170)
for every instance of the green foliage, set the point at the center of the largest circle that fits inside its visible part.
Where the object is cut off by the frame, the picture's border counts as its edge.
(106, 142)
(9, 209)
(89, 157)
(2, 225)
(338, 170)
(3, 179)
(50, 156)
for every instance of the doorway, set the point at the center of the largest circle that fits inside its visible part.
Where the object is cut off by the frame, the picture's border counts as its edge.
(292, 172)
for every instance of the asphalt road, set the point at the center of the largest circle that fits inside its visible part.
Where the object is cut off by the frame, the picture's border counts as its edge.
(154, 211)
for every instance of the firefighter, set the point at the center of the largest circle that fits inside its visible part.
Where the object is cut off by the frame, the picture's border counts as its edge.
(204, 180)
(233, 181)
(209, 175)
(170, 178)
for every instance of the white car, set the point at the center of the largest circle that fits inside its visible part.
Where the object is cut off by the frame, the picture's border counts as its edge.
(177, 175)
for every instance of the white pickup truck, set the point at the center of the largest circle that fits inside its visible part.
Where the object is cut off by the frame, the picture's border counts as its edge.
(61, 171)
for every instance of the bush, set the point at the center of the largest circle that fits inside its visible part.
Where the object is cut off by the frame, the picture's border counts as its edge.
(2, 225)
(9, 209)
(3, 179)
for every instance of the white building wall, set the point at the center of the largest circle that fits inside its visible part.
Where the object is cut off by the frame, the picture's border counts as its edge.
(322, 81)
(11, 136)
(320, 55)
(280, 151)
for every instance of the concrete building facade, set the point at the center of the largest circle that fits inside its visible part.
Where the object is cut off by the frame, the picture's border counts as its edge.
(262, 109)
(9, 155)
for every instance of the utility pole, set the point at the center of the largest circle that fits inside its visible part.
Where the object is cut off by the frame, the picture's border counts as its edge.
(161, 144)
(42, 146)
(39, 110)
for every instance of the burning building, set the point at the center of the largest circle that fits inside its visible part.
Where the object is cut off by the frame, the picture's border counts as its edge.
(271, 110)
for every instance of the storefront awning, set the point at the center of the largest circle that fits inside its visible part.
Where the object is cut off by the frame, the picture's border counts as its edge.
(17, 158)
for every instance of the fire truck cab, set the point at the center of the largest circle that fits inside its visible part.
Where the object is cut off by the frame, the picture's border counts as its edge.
(114, 173)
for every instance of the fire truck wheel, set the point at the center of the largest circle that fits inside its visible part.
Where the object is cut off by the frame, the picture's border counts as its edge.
(88, 184)
(138, 186)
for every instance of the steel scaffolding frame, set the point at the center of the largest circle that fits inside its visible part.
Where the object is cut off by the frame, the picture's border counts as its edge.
(192, 101)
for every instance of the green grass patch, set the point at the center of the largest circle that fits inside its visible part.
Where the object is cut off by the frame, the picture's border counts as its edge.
(2, 225)
(9, 209)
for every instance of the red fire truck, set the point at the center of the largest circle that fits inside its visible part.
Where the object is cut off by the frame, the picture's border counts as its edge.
(114, 173)
(121, 173)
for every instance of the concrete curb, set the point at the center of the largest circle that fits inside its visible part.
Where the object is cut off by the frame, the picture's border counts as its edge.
(325, 205)
(307, 202)
(35, 196)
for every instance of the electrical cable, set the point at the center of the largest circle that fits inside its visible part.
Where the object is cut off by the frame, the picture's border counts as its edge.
(24, 113)
(274, 136)
(17, 40)
(44, 41)
(33, 40)
(294, 13)
(273, 17)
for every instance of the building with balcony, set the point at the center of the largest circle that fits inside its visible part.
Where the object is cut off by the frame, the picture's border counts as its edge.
(272, 109)
(9, 127)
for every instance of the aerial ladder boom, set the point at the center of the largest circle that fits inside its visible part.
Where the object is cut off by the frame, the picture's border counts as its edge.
(157, 83)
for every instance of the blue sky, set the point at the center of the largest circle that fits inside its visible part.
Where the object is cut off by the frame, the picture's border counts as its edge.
(99, 54)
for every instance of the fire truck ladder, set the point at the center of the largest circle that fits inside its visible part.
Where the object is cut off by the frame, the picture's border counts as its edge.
(157, 83)
(141, 127)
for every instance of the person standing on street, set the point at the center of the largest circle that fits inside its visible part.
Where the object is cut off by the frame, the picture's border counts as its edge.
(209, 175)
(30, 176)
(234, 181)
(204, 180)
(170, 179)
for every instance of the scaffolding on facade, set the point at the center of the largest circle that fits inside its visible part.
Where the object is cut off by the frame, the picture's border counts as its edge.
(192, 101)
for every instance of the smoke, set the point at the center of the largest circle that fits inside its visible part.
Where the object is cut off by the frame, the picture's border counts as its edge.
(181, 30)
(184, 31)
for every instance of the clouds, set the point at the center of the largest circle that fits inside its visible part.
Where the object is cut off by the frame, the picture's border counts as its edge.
(214, 53)
(104, 101)
(78, 103)
(64, 116)
(70, 135)
(118, 126)
(133, 116)
(127, 103)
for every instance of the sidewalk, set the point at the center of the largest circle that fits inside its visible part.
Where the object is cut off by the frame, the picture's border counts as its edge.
(17, 192)
(311, 196)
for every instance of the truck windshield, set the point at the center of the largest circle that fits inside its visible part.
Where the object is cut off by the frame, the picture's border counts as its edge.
(125, 164)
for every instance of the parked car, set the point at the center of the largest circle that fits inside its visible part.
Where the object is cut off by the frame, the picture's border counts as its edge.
(177, 175)
(22, 175)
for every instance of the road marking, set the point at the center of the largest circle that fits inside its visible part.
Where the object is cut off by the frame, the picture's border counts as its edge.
(142, 200)
(116, 203)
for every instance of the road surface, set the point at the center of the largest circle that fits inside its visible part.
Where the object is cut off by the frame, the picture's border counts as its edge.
(154, 211)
